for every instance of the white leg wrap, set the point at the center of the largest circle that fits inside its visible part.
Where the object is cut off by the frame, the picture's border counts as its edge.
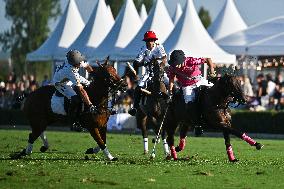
(107, 154)
(29, 148)
(166, 147)
(44, 139)
(145, 142)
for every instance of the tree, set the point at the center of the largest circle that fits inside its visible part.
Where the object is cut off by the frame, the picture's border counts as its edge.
(29, 27)
(204, 17)
(116, 5)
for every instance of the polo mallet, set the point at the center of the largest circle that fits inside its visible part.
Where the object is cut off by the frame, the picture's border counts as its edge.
(153, 154)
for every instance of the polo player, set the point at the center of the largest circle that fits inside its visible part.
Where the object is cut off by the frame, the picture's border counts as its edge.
(188, 74)
(151, 50)
(67, 78)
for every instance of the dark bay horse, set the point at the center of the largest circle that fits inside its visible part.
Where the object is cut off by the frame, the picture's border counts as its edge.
(212, 106)
(150, 114)
(37, 108)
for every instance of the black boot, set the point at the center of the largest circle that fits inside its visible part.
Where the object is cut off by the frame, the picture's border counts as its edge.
(193, 109)
(137, 98)
(73, 114)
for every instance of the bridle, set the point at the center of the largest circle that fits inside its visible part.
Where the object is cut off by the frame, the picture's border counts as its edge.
(113, 87)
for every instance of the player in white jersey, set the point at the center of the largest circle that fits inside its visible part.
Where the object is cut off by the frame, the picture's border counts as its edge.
(67, 78)
(150, 51)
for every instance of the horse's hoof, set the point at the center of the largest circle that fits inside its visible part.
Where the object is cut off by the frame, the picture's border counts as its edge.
(90, 151)
(178, 149)
(168, 157)
(258, 146)
(234, 160)
(114, 159)
(43, 149)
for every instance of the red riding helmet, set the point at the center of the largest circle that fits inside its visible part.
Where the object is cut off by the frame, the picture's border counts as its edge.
(150, 35)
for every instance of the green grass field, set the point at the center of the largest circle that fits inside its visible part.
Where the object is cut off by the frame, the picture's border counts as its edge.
(64, 165)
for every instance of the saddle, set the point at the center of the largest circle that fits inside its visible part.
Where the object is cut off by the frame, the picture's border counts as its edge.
(60, 104)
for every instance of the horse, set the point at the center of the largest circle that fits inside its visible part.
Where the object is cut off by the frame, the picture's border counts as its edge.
(150, 114)
(37, 108)
(212, 108)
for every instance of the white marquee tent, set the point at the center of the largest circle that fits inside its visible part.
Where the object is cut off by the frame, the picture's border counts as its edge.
(270, 46)
(143, 13)
(67, 30)
(237, 43)
(94, 32)
(227, 22)
(126, 26)
(178, 13)
(110, 13)
(158, 21)
(190, 36)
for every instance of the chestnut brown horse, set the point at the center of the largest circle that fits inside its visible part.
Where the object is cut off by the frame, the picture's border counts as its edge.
(150, 114)
(37, 107)
(212, 106)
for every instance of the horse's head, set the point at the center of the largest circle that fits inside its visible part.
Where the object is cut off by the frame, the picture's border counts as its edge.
(110, 77)
(232, 87)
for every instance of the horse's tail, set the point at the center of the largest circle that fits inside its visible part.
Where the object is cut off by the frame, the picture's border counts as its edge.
(21, 97)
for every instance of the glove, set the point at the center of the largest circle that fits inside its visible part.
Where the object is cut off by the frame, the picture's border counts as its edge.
(213, 74)
(93, 109)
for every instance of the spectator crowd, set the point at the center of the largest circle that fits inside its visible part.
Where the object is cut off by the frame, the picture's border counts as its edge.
(266, 94)
(14, 86)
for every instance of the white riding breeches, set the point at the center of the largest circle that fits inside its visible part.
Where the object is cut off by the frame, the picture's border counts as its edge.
(144, 79)
(65, 89)
(189, 92)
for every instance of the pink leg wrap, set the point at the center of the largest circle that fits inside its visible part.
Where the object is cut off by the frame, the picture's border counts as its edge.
(182, 143)
(173, 152)
(248, 139)
(230, 153)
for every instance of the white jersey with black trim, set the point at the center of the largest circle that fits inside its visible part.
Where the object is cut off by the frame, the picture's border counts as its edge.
(146, 55)
(67, 72)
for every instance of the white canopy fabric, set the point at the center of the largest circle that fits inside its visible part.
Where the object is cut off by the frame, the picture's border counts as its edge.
(178, 13)
(125, 28)
(227, 22)
(238, 42)
(110, 13)
(190, 36)
(94, 32)
(270, 46)
(158, 21)
(143, 13)
(67, 30)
